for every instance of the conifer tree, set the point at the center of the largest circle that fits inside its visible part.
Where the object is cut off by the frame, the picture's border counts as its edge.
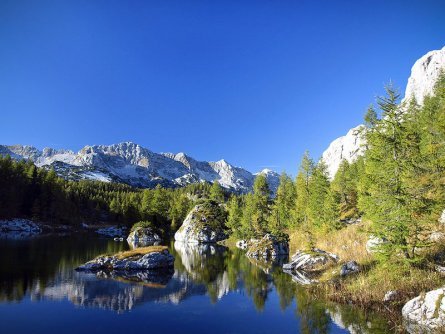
(261, 211)
(388, 203)
(281, 214)
(318, 195)
(234, 216)
(302, 186)
(216, 192)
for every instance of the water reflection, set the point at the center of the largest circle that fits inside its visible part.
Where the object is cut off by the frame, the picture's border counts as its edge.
(42, 269)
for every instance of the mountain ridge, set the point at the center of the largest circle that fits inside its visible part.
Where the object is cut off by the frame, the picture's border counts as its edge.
(135, 165)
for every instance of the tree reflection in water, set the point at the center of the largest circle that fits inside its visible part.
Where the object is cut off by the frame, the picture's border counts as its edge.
(42, 269)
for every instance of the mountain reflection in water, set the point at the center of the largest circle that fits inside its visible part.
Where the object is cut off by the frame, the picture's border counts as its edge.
(42, 270)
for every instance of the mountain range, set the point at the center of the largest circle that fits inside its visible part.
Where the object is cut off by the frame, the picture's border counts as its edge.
(137, 166)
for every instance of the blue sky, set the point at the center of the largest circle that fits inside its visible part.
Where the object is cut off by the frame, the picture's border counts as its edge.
(254, 82)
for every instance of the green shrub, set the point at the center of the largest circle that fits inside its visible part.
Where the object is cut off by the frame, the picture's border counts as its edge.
(143, 224)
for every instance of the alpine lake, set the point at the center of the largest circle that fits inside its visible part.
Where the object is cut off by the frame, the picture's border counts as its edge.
(213, 289)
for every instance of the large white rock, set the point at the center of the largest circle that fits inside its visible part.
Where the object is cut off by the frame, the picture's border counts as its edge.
(143, 236)
(348, 147)
(267, 248)
(201, 225)
(425, 313)
(424, 75)
(310, 261)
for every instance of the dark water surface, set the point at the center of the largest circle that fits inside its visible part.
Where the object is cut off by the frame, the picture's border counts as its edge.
(212, 290)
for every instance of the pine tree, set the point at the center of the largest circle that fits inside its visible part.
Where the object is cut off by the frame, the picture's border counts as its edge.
(302, 186)
(234, 216)
(216, 192)
(281, 214)
(318, 195)
(261, 212)
(389, 164)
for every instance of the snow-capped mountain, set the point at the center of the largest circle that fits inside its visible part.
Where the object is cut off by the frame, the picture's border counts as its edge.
(137, 166)
(424, 75)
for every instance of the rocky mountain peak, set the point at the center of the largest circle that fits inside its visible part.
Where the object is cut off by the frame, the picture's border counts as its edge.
(130, 163)
(424, 75)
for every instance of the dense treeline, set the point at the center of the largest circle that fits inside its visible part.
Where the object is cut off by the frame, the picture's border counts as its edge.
(31, 192)
(398, 185)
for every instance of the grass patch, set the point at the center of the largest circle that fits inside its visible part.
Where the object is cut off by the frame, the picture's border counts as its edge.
(139, 252)
(142, 224)
(348, 243)
(368, 287)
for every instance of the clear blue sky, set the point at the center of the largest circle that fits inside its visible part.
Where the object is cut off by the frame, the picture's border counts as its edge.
(254, 82)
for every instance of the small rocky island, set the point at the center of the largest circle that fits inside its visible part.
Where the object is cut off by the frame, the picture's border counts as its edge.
(143, 258)
(204, 224)
(142, 236)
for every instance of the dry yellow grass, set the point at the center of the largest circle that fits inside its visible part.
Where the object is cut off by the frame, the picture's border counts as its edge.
(367, 288)
(140, 251)
(348, 243)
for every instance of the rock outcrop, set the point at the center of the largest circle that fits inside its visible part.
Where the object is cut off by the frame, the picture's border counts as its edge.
(425, 313)
(112, 231)
(349, 268)
(204, 224)
(146, 259)
(348, 147)
(424, 75)
(391, 296)
(314, 260)
(143, 236)
(19, 229)
(373, 243)
(267, 248)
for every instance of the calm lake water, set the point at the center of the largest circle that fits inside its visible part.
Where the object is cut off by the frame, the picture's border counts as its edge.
(212, 290)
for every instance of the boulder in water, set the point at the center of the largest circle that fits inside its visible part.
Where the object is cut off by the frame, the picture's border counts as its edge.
(267, 248)
(313, 260)
(19, 229)
(152, 257)
(204, 224)
(143, 236)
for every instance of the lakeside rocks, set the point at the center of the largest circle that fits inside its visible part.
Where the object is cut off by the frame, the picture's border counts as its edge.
(19, 229)
(267, 248)
(111, 231)
(349, 268)
(203, 224)
(425, 313)
(300, 277)
(159, 259)
(314, 260)
(391, 295)
(143, 236)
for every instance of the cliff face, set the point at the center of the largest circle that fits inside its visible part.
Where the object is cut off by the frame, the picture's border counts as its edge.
(424, 75)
